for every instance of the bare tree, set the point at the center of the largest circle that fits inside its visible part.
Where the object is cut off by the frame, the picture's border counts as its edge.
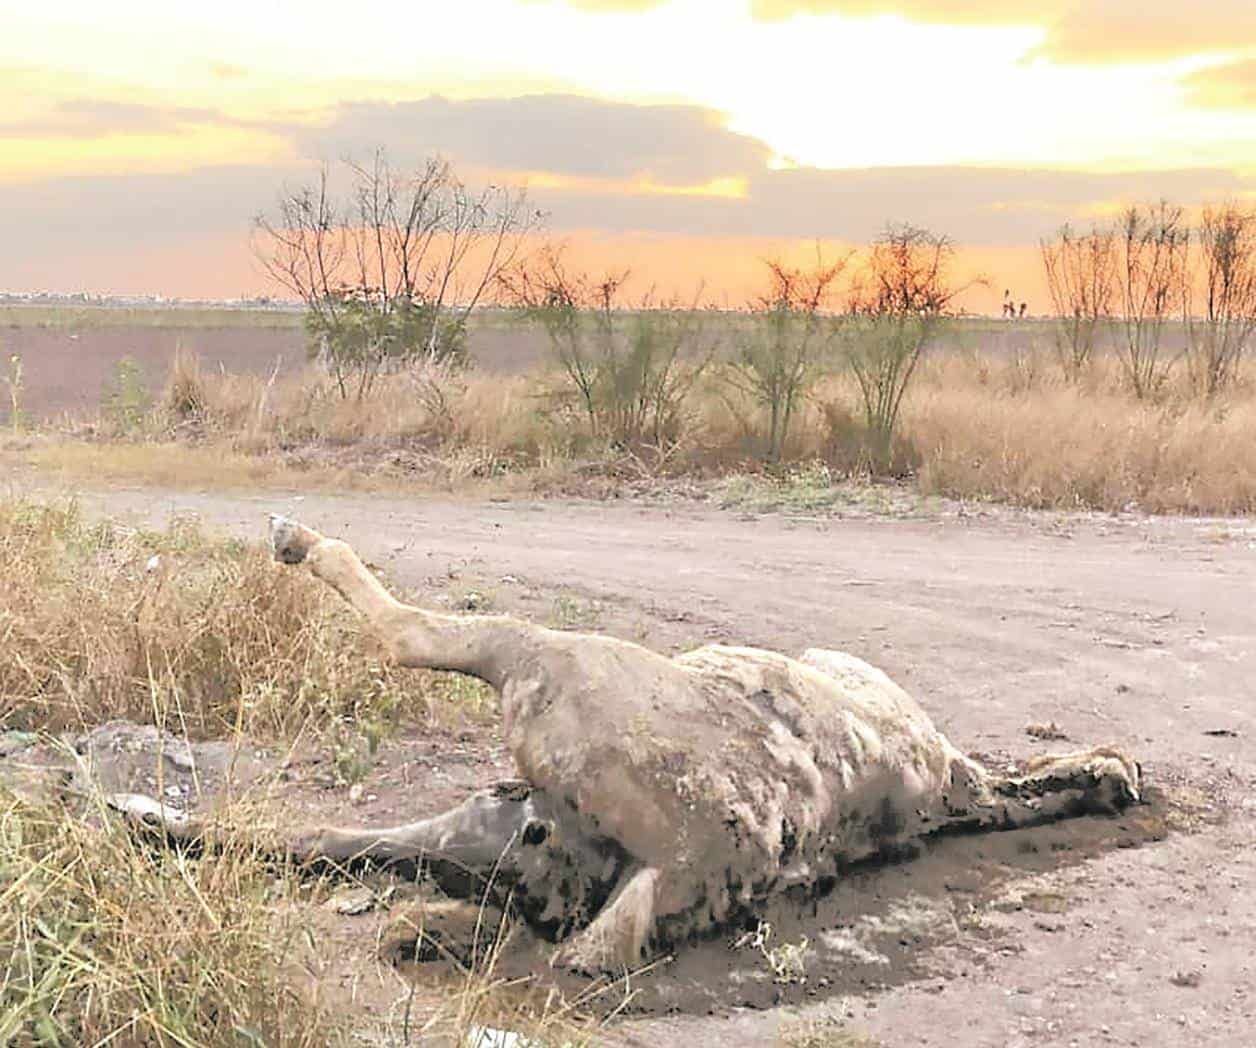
(908, 272)
(1217, 340)
(1152, 281)
(1081, 280)
(780, 354)
(905, 290)
(632, 367)
(391, 273)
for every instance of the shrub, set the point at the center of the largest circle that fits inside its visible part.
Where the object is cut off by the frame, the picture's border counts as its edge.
(631, 371)
(125, 401)
(906, 289)
(786, 345)
(186, 398)
(390, 274)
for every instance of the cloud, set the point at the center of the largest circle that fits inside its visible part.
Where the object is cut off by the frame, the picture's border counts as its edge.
(1077, 31)
(597, 148)
(602, 147)
(561, 134)
(610, 6)
(80, 118)
(1228, 86)
(123, 211)
(982, 12)
(1150, 30)
(947, 12)
(977, 206)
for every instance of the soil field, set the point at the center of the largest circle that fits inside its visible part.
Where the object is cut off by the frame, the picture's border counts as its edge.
(69, 355)
(67, 367)
(1127, 630)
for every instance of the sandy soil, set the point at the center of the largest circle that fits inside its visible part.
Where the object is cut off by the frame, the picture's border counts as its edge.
(1128, 630)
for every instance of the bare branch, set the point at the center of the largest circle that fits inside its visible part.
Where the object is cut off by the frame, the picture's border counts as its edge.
(1153, 283)
(1218, 340)
(394, 273)
(1081, 280)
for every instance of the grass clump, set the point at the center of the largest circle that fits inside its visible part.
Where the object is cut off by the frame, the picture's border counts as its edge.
(204, 636)
(125, 402)
(805, 488)
(106, 940)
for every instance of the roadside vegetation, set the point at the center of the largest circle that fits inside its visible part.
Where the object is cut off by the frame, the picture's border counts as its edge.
(1005, 424)
(104, 940)
(107, 938)
(192, 633)
(1137, 393)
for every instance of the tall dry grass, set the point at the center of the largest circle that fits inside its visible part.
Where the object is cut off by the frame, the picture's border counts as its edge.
(991, 432)
(106, 940)
(1001, 425)
(200, 635)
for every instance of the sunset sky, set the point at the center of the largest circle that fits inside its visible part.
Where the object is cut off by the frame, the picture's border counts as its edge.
(686, 139)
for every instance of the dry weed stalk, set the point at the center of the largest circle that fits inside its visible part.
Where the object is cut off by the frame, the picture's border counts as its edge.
(106, 940)
(212, 635)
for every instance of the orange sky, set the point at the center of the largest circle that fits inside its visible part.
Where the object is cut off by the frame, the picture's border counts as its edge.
(685, 138)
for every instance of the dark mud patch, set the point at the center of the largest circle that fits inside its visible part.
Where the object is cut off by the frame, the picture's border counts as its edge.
(953, 912)
(938, 916)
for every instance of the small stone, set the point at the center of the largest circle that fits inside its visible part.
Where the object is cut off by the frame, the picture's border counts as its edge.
(351, 901)
(181, 758)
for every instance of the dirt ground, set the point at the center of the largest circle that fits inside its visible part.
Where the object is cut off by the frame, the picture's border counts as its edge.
(66, 369)
(1127, 630)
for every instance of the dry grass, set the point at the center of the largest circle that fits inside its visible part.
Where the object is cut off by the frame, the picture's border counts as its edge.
(999, 426)
(478, 1000)
(981, 433)
(219, 466)
(416, 410)
(177, 466)
(208, 638)
(109, 939)
(104, 940)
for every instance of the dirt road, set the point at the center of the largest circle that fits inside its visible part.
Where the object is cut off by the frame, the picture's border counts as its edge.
(1135, 631)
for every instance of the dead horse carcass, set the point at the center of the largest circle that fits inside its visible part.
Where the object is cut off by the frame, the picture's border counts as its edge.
(660, 797)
